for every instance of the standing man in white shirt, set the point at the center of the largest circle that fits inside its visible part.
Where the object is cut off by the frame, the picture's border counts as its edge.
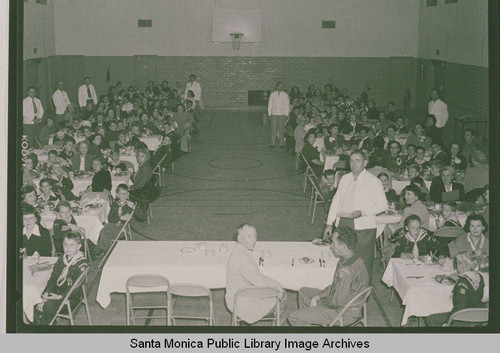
(278, 108)
(86, 93)
(359, 198)
(32, 115)
(439, 109)
(194, 86)
(61, 101)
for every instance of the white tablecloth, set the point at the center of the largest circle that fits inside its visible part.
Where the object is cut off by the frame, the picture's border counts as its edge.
(329, 160)
(34, 284)
(91, 223)
(207, 264)
(153, 142)
(83, 184)
(421, 296)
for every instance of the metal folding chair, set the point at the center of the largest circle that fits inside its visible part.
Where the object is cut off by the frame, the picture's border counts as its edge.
(191, 291)
(141, 287)
(316, 198)
(158, 170)
(360, 299)
(472, 315)
(257, 293)
(125, 232)
(78, 285)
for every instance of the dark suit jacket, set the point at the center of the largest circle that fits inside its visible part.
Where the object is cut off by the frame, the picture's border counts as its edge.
(101, 181)
(41, 243)
(142, 176)
(339, 141)
(437, 190)
(75, 162)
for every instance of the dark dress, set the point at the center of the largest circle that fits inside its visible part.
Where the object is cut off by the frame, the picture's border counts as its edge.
(101, 180)
(310, 153)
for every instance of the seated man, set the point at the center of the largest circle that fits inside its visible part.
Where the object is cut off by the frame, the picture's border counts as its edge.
(35, 237)
(320, 307)
(242, 271)
(327, 187)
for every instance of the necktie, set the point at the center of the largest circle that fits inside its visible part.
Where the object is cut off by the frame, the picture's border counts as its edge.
(415, 251)
(35, 111)
(88, 92)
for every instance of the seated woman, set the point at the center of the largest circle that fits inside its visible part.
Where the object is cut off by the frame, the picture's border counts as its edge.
(47, 131)
(390, 194)
(414, 206)
(64, 223)
(64, 274)
(456, 160)
(29, 171)
(420, 184)
(431, 130)
(311, 154)
(448, 217)
(120, 211)
(474, 240)
(468, 292)
(418, 138)
(445, 189)
(413, 241)
(102, 178)
(143, 173)
(35, 238)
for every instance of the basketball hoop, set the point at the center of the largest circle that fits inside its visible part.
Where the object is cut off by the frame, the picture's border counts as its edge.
(236, 38)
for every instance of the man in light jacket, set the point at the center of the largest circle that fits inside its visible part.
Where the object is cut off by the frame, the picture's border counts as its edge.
(86, 93)
(61, 101)
(243, 271)
(278, 108)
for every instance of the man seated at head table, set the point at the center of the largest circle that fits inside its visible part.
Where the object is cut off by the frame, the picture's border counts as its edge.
(243, 271)
(321, 307)
(467, 292)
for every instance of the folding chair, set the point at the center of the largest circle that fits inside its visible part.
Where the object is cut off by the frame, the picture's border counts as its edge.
(147, 284)
(158, 170)
(309, 172)
(472, 315)
(256, 293)
(360, 299)
(316, 198)
(191, 291)
(78, 285)
(125, 231)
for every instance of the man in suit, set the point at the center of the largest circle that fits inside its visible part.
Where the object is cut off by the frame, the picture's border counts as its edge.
(32, 115)
(242, 271)
(86, 93)
(82, 160)
(445, 189)
(35, 237)
(321, 307)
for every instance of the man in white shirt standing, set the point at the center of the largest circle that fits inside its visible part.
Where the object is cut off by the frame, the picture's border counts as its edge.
(86, 93)
(359, 198)
(439, 109)
(61, 101)
(278, 108)
(32, 115)
(194, 86)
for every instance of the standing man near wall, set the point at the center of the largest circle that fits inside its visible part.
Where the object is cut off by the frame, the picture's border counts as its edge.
(439, 109)
(61, 101)
(86, 93)
(359, 198)
(194, 86)
(32, 115)
(278, 108)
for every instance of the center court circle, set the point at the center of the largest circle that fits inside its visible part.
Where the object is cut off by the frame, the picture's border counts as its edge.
(235, 163)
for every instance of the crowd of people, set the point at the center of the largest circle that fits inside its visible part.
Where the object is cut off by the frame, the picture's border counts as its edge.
(87, 138)
(374, 148)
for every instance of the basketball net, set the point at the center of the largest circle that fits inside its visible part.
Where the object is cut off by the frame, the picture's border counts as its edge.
(236, 38)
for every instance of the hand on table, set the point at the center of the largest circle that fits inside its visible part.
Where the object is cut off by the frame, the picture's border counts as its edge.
(327, 232)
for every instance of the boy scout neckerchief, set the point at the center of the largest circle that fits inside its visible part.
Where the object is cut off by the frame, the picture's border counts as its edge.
(420, 236)
(474, 278)
(67, 264)
(479, 244)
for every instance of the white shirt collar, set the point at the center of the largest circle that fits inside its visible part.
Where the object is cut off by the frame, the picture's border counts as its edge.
(35, 231)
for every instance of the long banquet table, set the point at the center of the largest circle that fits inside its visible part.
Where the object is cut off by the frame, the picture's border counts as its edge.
(422, 296)
(204, 263)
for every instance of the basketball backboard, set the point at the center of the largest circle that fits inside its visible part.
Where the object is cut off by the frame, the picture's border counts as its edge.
(246, 21)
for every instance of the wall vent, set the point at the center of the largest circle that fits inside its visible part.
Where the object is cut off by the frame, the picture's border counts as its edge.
(145, 23)
(327, 24)
(42, 2)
